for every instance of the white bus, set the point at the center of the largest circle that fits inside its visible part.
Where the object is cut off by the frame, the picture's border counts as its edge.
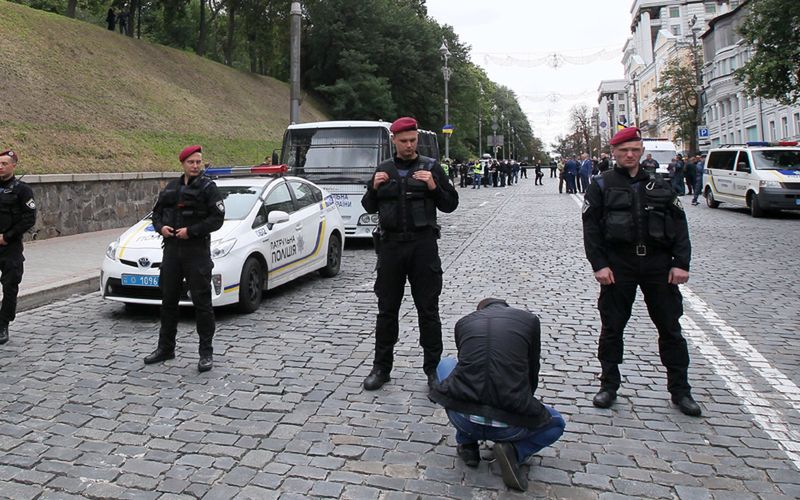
(340, 157)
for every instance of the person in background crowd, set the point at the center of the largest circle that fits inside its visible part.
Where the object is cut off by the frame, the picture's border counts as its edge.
(539, 174)
(585, 172)
(561, 179)
(571, 173)
(689, 173)
(553, 169)
(699, 168)
(603, 164)
(649, 164)
(675, 169)
(17, 216)
(111, 20)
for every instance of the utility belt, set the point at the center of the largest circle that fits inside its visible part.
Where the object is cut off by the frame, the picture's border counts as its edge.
(638, 249)
(410, 235)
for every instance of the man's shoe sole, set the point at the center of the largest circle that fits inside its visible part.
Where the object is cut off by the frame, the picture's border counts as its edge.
(511, 480)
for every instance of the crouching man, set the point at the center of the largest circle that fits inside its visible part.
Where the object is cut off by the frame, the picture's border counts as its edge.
(489, 391)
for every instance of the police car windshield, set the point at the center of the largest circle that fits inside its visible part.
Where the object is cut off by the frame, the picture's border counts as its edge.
(777, 159)
(239, 200)
(335, 155)
(662, 157)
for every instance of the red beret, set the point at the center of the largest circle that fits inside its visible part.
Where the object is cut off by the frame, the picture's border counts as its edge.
(11, 154)
(403, 124)
(189, 151)
(626, 135)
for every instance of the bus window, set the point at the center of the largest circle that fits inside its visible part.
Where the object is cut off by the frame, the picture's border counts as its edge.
(334, 155)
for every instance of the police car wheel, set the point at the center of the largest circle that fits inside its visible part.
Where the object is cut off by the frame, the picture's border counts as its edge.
(755, 207)
(334, 257)
(251, 286)
(710, 201)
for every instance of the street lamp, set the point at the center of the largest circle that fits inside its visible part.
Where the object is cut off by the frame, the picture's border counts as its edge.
(480, 125)
(294, 62)
(698, 78)
(446, 72)
(494, 131)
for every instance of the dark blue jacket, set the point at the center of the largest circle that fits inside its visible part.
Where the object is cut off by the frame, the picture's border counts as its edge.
(571, 167)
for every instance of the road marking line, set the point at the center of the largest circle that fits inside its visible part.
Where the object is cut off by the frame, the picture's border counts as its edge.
(745, 350)
(482, 204)
(764, 415)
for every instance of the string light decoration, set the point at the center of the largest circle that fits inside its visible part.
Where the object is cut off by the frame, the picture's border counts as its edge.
(553, 59)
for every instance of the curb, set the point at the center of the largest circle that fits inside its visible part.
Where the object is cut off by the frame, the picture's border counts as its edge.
(46, 294)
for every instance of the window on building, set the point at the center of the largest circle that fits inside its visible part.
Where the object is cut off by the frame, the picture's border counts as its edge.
(711, 9)
(621, 107)
(674, 12)
(772, 132)
(752, 133)
(797, 124)
(722, 109)
(785, 127)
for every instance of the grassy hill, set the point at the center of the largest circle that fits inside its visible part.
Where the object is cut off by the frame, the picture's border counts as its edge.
(76, 98)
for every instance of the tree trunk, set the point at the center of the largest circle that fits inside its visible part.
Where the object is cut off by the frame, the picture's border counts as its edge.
(200, 50)
(131, 17)
(231, 32)
(72, 5)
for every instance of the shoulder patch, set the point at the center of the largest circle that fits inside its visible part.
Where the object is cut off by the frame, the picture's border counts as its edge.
(31, 204)
(586, 206)
(221, 206)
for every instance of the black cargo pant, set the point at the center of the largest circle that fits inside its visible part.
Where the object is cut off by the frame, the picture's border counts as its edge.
(418, 261)
(190, 259)
(664, 305)
(11, 269)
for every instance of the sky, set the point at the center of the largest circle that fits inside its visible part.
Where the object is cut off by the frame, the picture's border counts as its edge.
(509, 39)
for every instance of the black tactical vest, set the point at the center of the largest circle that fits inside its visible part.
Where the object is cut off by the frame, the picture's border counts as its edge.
(184, 205)
(9, 206)
(404, 203)
(638, 213)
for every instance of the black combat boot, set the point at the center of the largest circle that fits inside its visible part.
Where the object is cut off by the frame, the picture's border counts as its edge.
(3, 333)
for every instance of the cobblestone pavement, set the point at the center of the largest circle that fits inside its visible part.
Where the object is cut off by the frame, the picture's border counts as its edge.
(282, 413)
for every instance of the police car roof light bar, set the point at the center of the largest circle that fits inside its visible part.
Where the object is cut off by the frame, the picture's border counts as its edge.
(247, 171)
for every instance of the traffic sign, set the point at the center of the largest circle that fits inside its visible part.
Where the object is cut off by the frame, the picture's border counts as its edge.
(702, 132)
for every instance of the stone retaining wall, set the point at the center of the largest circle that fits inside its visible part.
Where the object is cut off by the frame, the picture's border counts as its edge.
(78, 203)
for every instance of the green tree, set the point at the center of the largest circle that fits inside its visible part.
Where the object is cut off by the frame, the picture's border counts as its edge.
(677, 100)
(362, 95)
(772, 31)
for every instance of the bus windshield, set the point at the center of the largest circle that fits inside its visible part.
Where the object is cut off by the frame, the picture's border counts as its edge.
(335, 155)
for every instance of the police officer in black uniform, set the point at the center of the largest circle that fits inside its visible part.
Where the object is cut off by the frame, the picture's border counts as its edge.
(635, 234)
(187, 211)
(17, 215)
(406, 191)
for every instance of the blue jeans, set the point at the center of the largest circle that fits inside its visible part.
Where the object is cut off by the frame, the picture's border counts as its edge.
(476, 181)
(526, 441)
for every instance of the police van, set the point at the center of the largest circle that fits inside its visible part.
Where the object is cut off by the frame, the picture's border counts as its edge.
(663, 151)
(340, 157)
(762, 176)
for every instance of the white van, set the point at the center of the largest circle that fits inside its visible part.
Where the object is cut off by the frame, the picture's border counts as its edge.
(761, 176)
(663, 151)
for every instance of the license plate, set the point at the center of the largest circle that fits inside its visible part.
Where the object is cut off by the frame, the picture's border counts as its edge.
(140, 280)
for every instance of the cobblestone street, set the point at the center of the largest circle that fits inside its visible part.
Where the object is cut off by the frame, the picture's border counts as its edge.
(283, 414)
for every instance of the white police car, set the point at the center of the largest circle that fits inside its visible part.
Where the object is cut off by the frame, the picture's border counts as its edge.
(762, 176)
(276, 229)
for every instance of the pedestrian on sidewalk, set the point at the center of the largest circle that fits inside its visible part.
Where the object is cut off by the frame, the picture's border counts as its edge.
(635, 235)
(553, 168)
(489, 392)
(17, 216)
(187, 211)
(406, 191)
(699, 169)
(539, 175)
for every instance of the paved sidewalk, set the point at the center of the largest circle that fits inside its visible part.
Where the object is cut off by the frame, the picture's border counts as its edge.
(59, 267)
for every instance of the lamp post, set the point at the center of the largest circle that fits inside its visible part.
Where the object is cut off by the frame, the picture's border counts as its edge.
(294, 62)
(446, 72)
(480, 125)
(698, 82)
(494, 131)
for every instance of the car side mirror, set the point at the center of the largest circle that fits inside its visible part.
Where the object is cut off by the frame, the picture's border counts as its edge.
(276, 217)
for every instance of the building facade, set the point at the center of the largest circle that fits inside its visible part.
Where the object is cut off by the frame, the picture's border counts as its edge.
(612, 108)
(730, 116)
(662, 32)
